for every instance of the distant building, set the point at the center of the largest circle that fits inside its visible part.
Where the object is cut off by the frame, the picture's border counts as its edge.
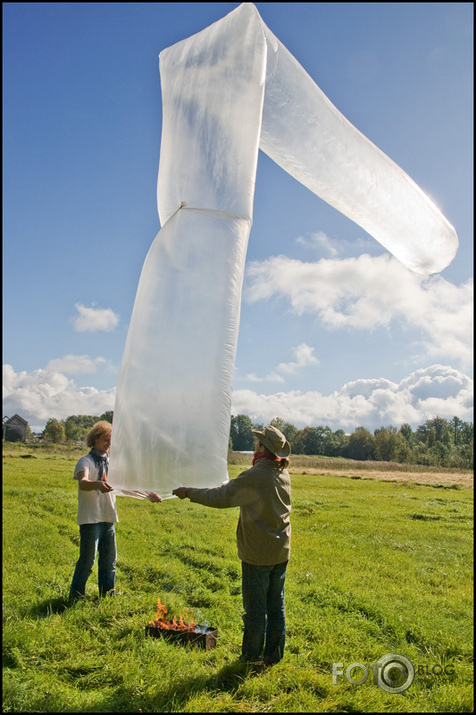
(14, 429)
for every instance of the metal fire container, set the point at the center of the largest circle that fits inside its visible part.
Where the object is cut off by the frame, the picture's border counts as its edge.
(200, 635)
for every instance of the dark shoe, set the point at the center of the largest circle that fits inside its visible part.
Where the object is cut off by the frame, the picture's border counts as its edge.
(253, 666)
(73, 597)
(246, 659)
(108, 594)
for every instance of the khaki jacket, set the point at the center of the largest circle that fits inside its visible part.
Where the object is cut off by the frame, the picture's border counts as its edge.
(263, 494)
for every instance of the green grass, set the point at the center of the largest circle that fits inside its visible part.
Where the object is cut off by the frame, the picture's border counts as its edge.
(377, 567)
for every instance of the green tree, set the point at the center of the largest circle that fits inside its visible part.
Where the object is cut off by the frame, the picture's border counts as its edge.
(311, 440)
(241, 435)
(385, 444)
(336, 443)
(54, 431)
(407, 433)
(390, 445)
(314, 441)
(77, 426)
(361, 444)
(107, 416)
(328, 441)
(435, 443)
(457, 425)
(467, 433)
(435, 430)
(300, 441)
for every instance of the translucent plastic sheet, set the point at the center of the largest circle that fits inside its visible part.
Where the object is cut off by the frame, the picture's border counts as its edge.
(227, 91)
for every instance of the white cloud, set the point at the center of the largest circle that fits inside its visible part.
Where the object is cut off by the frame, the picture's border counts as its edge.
(435, 382)
(304, 357)
(43, 394)
(366, 387)
(436, 390)
(426, 393)
(270, 377)
(319, 241)
(75, 364)
(94, 319)
(369, 292)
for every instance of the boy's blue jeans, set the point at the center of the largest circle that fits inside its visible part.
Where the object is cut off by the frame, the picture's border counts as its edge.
(264, 618)
(95, 538)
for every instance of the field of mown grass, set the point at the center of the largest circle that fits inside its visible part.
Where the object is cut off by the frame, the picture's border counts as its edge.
(378, 566)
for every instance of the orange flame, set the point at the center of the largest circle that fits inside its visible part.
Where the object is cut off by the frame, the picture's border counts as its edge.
(174, 624)
(161, 610)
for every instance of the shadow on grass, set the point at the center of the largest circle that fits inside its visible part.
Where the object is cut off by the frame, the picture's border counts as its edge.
(60, 604)
(50, 607)
(175, 696)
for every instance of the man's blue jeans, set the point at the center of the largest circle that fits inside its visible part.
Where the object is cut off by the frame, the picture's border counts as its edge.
(264, 618)
(95, 538)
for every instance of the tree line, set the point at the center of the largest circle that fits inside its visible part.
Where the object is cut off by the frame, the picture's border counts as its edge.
(437, 442)
(73, 428)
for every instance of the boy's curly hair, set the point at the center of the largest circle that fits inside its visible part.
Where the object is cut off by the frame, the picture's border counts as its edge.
(96, 431)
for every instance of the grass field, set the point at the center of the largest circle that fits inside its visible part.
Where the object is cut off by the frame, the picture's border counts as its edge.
(380, 564)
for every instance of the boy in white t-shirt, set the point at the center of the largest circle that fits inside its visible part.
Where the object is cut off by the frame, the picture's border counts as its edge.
(97, 514)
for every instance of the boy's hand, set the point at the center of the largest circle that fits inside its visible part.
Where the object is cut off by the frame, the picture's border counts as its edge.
(104, 487)
(154, 497)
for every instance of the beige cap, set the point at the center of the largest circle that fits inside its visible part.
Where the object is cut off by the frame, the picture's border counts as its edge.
(274, 440)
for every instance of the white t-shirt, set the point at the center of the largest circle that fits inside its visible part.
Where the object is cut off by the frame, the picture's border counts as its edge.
(94, 506)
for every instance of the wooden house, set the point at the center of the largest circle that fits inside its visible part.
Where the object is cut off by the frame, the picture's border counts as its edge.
(15, 429)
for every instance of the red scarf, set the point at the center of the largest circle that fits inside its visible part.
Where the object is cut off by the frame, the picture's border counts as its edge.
(259, 455)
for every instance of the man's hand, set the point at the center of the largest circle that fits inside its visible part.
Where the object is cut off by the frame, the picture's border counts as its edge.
(180, 492)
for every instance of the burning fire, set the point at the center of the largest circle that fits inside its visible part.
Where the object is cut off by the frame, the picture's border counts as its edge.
(174, 624)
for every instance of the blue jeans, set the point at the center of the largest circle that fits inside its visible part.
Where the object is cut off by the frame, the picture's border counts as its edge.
(264, 617)
(101, 538)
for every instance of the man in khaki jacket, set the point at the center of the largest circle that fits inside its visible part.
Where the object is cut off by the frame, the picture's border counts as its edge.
(263, 494)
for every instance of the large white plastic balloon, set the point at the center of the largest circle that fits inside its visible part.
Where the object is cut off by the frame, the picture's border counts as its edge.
(226, 92)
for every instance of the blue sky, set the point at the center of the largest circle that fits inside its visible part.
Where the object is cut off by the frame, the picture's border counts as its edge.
(81, 150)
